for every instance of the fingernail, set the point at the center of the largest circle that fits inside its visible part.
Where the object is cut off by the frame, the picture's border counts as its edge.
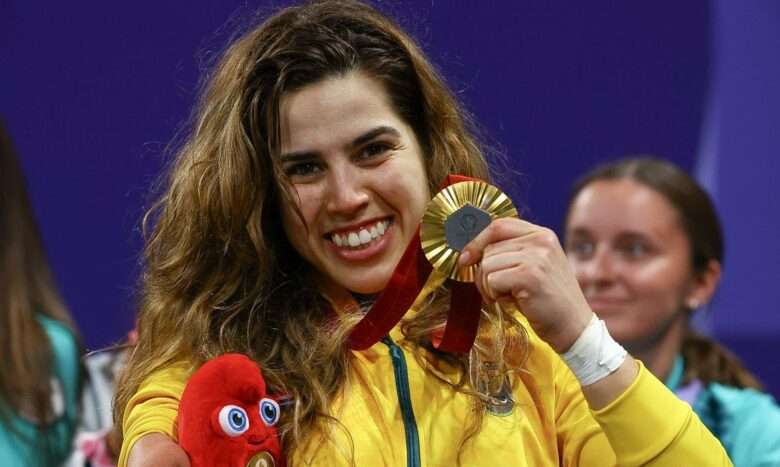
(464, 258)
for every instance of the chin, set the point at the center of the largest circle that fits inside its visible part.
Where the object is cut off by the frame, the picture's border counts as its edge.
(620, 330)
(366, 287)
(371, 281)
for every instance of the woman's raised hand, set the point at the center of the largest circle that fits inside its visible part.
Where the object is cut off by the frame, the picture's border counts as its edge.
(524, 264)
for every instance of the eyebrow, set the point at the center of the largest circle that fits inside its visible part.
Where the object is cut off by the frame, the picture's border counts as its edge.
(632, 235)
(371, 134)
(360, 140)
(579, 231)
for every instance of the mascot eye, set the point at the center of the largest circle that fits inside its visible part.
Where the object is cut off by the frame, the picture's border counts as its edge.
(233, 420)
(269, 411)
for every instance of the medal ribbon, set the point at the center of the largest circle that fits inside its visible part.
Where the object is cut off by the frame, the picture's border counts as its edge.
(408, 281)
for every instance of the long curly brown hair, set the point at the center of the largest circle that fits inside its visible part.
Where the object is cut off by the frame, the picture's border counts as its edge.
(220, 275)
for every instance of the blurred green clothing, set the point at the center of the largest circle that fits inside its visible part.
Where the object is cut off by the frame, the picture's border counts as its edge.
(746, 421)
(22, 446)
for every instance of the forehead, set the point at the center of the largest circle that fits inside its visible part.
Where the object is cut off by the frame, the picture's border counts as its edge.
(334, 110)
(614, 206)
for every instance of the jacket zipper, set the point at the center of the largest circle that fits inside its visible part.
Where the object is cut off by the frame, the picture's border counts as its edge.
(405, 399)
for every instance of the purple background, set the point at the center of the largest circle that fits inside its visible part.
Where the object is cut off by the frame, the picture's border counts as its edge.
(92, 96)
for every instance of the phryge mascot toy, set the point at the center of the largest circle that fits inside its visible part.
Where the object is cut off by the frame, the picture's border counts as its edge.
(226, 418)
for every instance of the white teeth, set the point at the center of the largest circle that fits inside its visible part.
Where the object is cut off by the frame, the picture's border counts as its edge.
(361, 237)
(354, 240)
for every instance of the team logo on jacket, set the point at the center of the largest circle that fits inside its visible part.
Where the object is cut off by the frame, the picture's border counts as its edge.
(502, 403)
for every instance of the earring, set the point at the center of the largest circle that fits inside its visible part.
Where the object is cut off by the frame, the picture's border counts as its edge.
(693, 303)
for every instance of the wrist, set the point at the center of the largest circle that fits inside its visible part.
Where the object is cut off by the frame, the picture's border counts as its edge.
(566, 338)
(594, 355)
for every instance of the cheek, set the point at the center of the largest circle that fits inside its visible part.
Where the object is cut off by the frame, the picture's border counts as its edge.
(417, 196)
(662, 285)
(297, 223)
(577, 267)
(405, 186)
(418, 192)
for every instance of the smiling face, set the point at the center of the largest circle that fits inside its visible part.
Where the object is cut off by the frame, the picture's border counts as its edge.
(631, 257)
(358, 173)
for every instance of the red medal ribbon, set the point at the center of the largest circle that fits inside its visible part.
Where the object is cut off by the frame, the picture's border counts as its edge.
(406, 283)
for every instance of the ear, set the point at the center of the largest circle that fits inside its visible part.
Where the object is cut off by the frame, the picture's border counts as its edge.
(704, 285)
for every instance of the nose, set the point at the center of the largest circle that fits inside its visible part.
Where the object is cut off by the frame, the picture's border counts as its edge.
(597, 271)
(347, 193)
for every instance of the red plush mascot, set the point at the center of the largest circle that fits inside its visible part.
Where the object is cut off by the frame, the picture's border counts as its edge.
(226, 419)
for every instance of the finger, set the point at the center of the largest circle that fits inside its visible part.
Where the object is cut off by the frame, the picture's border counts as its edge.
(515, 282)
(498, 230)
(541, 244)
(493, 262)
(512, 245)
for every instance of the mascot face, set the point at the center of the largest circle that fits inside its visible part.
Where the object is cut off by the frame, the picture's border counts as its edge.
(226, 417)
(246, 418)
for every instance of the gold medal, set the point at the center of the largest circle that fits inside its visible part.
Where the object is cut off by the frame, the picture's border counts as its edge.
(456, 215)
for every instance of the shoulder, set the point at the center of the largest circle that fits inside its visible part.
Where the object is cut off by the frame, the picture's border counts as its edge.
(61, 338)
(67, 364)
(743, 400)
(65, 350)
(155, 405)
(750, 423)
(166, 382)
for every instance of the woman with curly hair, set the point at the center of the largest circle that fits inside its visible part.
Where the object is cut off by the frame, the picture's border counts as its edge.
(321, 137)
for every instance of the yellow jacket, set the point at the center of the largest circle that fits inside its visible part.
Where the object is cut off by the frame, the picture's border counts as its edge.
(398, 414)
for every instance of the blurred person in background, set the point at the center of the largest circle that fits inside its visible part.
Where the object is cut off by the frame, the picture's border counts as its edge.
(39, 369)
(98, 440)
(647, 247)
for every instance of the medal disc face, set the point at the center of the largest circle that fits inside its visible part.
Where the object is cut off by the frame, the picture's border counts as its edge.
(456, 215)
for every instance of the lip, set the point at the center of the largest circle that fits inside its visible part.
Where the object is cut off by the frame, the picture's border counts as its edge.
(599, 304)
(363, 254)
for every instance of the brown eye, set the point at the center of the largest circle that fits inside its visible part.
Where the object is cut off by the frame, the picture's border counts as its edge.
(374, 149)
(303, 169)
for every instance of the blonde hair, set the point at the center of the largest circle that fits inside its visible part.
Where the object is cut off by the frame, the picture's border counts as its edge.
(220, 275)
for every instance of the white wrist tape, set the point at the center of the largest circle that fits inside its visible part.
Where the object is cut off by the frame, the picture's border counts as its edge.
(594, 355)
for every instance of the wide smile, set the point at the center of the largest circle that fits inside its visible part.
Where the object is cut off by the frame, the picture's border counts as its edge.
(362, 236)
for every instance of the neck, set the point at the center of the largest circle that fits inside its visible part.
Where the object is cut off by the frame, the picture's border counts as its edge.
(658, 353)
(364, 301)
